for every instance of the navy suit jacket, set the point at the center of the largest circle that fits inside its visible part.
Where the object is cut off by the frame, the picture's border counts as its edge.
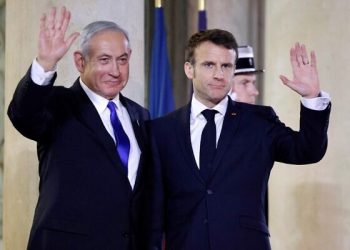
(85, 200)
(226, 211)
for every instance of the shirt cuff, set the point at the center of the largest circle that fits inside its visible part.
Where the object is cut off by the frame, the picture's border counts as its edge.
(38, 74)
(318, 103)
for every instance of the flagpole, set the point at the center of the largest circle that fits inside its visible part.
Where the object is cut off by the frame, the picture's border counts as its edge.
(158, 3)
(201, 5)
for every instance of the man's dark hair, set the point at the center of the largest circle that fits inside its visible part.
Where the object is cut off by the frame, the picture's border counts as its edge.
(216, 36)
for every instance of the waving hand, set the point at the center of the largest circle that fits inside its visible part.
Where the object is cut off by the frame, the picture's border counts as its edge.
(305, 77)
(52, 43)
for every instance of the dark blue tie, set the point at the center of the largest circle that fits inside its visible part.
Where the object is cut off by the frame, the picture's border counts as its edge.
(122, 140)
(208, 143)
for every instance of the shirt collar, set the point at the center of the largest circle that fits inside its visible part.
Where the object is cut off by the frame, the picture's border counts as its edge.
(98, 101)
(197, 107)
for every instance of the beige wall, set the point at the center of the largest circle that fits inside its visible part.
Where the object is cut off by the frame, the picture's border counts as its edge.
(22, 22)
(310, 205)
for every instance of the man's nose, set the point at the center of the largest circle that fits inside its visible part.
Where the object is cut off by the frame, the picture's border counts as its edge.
(115, 69)
(219, 73)
(253, 89)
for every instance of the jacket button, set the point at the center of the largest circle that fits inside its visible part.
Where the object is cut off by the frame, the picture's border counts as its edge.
(125, 235)
(209, 191)
(205, 221)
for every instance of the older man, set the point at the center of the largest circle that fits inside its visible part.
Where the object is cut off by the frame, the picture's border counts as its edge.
(91, 140)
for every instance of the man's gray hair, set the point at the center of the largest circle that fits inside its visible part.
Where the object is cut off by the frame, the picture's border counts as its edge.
(95, 27)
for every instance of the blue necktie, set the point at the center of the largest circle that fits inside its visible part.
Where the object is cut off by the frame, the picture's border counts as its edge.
(208, 143)
(122, 140)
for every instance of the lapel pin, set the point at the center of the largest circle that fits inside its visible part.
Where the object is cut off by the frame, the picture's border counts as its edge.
(233, 113)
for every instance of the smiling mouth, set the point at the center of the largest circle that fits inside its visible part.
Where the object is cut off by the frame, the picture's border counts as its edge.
(113, 82)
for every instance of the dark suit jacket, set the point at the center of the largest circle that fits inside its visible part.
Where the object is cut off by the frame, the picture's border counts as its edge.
(227, 211)
(85, 199)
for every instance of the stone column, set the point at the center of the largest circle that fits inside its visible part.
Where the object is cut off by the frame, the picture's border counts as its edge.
(309, 205)
(2, 97)
(22, 25)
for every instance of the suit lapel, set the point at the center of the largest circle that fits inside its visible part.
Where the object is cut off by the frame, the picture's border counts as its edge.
(183, 137)
(229, 128)
(135, 120)
(88, 115)
(140, 137)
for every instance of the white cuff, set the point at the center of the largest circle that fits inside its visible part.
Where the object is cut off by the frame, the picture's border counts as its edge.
(317, 103)
(39, 76)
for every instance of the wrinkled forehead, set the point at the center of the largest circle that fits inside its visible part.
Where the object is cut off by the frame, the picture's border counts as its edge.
(208, 51)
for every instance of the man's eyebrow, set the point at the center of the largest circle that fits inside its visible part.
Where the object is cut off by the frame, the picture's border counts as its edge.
(206, 62)
(228, 64)
(103, 55)
(123, 55)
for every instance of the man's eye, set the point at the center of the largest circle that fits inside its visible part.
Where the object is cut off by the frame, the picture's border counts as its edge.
(104, 60)
(227, 66)
(123, 60)
(208, 65)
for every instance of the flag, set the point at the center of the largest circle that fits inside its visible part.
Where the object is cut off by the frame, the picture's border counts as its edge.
(202, 20)
(161, 100)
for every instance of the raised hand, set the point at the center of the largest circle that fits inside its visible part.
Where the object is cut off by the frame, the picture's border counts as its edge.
(52, 43)
(305, 77)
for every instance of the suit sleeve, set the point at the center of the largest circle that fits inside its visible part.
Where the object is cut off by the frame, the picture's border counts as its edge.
(28, 108)
(308, 145)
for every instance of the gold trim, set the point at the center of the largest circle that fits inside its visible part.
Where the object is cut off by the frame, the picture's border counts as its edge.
(158, 3)
(201, 5)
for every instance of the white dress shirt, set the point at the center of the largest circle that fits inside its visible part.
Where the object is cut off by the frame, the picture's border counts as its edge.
(198, 121)
(43, 78)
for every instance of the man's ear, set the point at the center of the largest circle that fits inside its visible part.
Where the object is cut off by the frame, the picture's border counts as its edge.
(79, 61)
(189, 70)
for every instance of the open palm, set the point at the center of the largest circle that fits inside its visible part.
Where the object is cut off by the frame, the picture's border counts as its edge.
(52, 43)
(305, 76)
